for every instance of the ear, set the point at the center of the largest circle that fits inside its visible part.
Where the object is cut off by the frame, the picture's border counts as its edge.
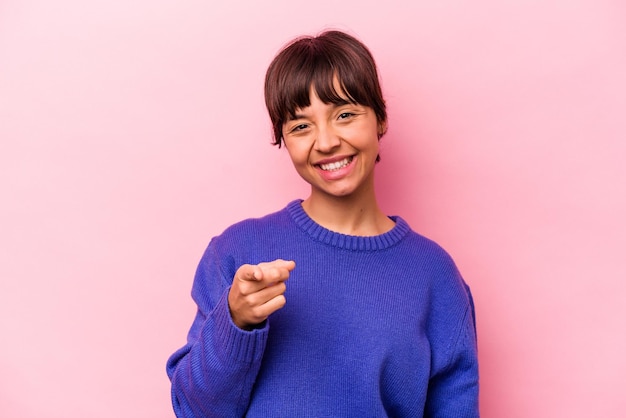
(382, 128)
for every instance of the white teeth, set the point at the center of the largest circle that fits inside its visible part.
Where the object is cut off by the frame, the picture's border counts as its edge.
(336, 165)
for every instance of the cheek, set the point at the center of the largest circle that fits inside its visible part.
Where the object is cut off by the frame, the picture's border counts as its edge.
(297, 154)
(368, 140)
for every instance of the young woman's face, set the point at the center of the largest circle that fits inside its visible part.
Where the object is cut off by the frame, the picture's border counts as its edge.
(334, 147)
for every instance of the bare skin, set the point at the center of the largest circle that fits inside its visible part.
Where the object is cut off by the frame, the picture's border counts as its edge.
(347, 136)
(258, 291)
(342, 200)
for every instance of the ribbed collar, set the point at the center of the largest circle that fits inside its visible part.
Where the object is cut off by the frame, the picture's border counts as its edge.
(348, 242)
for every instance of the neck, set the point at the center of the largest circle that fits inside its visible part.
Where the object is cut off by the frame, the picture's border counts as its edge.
(352, 215)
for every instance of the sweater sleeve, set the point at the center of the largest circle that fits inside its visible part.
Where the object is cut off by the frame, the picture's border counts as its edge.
(453, 391)
(213, 374)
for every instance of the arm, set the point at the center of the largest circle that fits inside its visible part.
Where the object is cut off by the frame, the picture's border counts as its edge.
(453, 391)
(213, 374)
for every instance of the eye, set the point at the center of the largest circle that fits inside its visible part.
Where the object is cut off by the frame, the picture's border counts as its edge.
(345, 115)
(296, 129)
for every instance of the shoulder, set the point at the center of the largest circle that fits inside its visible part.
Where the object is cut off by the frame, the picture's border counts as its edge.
(425, 251)
(253, 233)
(254, 227)
(433, 261)
(450, 299)
(240, 242)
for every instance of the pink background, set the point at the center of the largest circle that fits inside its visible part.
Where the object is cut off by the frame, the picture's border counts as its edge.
(132, 131)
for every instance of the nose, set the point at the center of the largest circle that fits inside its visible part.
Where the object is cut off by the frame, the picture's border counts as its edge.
(327, 140)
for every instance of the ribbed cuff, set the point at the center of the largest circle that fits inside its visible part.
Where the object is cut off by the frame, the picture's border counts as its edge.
(236, 343)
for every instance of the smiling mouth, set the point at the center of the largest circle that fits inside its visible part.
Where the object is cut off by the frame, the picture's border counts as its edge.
(336, 165)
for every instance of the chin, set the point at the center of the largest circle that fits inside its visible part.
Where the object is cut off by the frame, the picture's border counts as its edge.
(340, 193)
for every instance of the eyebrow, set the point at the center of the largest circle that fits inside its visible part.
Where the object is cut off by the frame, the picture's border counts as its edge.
(296, 116)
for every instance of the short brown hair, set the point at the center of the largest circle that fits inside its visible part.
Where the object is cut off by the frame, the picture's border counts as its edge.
(315, 62)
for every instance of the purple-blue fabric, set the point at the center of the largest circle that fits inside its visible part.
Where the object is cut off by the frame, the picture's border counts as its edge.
(373, 327)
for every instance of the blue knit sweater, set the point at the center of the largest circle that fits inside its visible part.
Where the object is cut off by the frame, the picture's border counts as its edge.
(373, 327)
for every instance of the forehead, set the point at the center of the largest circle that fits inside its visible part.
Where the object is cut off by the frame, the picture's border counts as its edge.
(328, 89)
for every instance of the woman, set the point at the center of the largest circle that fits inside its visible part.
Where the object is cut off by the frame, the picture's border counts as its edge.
(327, 308)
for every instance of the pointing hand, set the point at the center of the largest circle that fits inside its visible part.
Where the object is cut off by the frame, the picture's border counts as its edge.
(258, 291)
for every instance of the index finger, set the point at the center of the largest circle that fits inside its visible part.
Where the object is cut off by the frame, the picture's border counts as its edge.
(250, 272)
(279, 263)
